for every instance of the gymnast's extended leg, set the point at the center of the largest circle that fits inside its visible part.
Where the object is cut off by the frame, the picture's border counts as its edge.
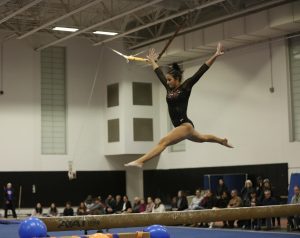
(200, 138)
(178, 134)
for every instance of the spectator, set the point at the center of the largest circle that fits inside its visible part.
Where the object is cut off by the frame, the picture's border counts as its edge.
(110, 204)
(268, 201)
(126, 208)
(221, 188)
(196, 200)
(89, 202)
(68, 211)
(223, 201)
(158, 206)
(119, 204)
(267, 186)
(150, 204)
(9, 200)
(294, 221)
(98, 208)
(81, 210)
(53, 211)
(181, 202)
(235, 201)
(136, 205)
(254, 202)
(259, 188)
(174, 203)
(38, 210)
(142, 205)
(208, 201)
(246, 191)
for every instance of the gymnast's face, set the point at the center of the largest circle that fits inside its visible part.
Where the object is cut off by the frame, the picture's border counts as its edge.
(171, 81)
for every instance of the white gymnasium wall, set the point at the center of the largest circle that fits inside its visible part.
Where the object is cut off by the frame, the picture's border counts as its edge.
(233, 100)
(20, 139)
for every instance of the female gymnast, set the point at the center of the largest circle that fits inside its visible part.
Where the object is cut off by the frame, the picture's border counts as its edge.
(177, 98)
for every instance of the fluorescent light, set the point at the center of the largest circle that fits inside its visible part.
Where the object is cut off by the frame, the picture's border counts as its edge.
(105, 33)
(59, 28)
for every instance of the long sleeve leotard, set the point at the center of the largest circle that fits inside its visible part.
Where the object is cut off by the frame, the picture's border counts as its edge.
(178, 98)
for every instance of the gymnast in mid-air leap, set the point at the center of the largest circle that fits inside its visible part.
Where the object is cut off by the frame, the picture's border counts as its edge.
(177, 98)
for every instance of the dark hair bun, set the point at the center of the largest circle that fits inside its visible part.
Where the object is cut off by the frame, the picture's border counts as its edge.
(176, 71)
(176, 67)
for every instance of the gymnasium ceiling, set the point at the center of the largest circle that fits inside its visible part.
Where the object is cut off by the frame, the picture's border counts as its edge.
(139, 23)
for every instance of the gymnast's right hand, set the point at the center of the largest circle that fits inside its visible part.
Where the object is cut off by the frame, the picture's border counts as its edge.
(152, 58)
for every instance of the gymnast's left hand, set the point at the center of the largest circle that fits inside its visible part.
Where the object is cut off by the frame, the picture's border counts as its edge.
(220, 50)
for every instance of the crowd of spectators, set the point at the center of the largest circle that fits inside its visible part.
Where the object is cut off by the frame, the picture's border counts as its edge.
(249, 196)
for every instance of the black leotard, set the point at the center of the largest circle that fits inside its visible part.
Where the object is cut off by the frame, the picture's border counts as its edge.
(178, 98)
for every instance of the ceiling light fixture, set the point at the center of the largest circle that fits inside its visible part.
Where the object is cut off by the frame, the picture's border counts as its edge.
(59, 28)
(105, 33)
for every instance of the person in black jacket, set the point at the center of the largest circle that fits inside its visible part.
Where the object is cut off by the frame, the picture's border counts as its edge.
(181, 202)
(9, 200)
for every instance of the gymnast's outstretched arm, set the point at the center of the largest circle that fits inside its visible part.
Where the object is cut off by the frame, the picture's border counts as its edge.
(189, 83)
(152, 57)
(218, 53)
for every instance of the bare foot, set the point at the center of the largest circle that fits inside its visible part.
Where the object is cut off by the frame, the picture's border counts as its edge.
(134, 164)
(225, 143)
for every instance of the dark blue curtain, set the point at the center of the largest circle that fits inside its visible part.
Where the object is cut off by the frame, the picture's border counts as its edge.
(232, 181)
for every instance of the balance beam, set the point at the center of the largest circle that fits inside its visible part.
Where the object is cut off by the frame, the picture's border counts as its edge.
(96, 222)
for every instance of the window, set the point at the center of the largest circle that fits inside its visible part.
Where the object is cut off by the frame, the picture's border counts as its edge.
(113, 128)
(142, 129)
(53, 101)
(142, 93)
(113, 95)
(294, 58)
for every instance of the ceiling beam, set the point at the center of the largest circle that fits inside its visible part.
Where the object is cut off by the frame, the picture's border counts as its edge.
(160, 20)
(59, 18)
(3, 2)
(22, 9)
(211, 22)
(100, 23)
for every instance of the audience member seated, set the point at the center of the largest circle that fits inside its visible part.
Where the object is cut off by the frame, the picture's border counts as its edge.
(150, 204)
(110, 204)
(126, 208)
(53, 211)
(209, 201)
(181, 202)
(142, 205)
(98, 208)
(119, 204)
(222, 202)
(136, 205)
(294, 221)
(235, 201)
(158, 206)
(267, 185)
(81, 210)
(196, 201)
(38, 210)
(254, 202)
(246, 191)
(259, 188)
(89, 202)
(68, 211)
(268, 201)
(221, 188)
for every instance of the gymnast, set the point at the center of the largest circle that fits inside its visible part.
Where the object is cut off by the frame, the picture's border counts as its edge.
(177, 99)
